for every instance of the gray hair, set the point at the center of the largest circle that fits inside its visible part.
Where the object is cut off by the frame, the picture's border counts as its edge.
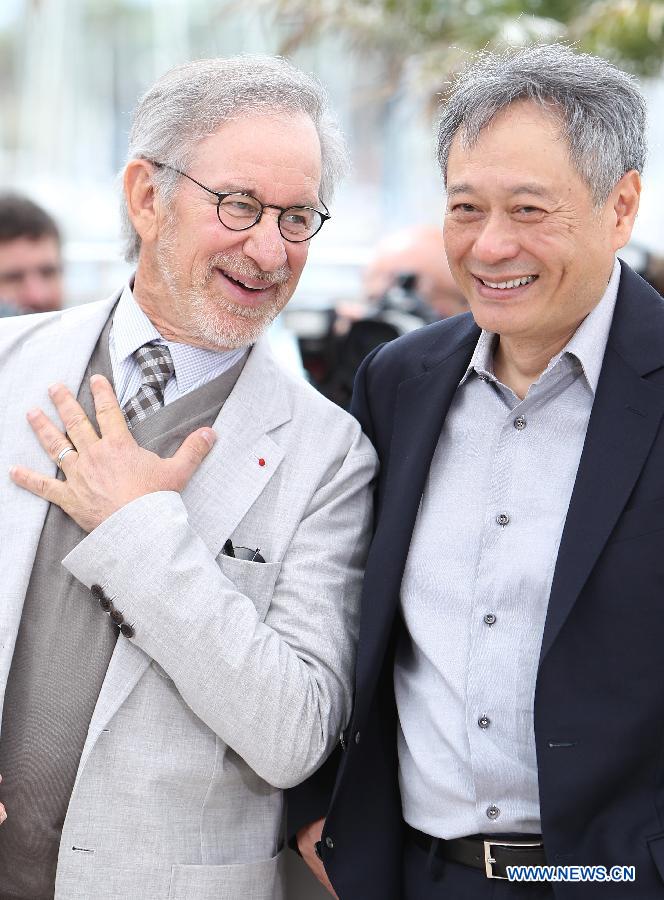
(601, 108)
(191, 101)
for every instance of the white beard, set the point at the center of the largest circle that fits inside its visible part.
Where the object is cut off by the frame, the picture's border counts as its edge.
(208, 317)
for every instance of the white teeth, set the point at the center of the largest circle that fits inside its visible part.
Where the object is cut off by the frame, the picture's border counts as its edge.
(516, 282)
(241, 283)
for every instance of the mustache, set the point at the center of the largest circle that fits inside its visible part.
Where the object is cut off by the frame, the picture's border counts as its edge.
(239, 265)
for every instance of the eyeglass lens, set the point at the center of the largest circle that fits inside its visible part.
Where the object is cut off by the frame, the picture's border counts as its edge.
(239, 211)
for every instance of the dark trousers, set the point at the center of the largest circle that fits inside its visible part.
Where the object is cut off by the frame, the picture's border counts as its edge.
(434, 879)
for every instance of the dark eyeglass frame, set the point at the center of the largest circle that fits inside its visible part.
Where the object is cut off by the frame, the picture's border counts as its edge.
(221, 196)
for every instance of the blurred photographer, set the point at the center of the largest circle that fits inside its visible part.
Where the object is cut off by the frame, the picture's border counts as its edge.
(417, 251)
(407, 284)
(649, 266)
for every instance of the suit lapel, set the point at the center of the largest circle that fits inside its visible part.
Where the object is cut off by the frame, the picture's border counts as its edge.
(62, 345)
(244, 457)
(422, 405)
(217, 498)
(625, 418)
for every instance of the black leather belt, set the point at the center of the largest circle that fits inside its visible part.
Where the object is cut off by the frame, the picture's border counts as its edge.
(492, 854)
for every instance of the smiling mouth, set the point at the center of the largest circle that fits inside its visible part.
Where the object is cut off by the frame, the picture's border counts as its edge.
(243, 285)
(511, 283)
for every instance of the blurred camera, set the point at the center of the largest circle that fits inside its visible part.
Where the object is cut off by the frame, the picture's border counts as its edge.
(334, 356)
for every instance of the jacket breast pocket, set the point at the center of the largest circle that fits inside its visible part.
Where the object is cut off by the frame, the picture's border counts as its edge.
(262, 880)
(254, 580)
(637, 521)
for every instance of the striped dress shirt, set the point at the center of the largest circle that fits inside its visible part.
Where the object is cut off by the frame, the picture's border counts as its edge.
(194, 366)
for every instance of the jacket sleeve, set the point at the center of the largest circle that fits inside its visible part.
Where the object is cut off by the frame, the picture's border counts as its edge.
(310, 801)
(359, 406)
(275, 687)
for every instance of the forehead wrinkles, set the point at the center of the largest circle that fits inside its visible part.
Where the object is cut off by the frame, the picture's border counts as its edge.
(262, 154)
(526, 189)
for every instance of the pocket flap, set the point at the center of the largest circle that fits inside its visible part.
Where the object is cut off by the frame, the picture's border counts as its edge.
(263, 880)
(638, 521)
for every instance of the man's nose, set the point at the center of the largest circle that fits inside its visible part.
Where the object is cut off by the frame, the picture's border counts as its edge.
(497, 240)
(35, 288)
(264, 243)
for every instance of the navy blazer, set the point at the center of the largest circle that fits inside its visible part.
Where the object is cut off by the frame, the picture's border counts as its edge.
(599, 701)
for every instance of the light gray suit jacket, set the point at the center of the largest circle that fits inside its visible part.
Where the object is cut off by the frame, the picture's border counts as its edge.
(238, 680)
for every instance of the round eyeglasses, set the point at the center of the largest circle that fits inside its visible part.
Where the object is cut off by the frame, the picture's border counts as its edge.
(239, 211)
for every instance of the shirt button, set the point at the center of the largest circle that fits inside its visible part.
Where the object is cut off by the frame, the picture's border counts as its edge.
(484, 722)
(492, 812)
(502, 519)
(329, 843)
(520, 423)
(489, 619)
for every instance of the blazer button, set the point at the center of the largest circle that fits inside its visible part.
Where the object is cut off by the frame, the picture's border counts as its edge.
(117, 616)
(329, 843)
(127, 630)
(357, 737)
(97, 591)
(105, 604)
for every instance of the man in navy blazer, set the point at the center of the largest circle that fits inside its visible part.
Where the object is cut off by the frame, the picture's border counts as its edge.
(509, 690)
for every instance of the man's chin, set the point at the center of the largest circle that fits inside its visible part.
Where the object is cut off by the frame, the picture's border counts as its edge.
(231, 331)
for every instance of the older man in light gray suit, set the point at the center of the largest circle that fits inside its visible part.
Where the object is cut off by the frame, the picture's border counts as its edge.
(179, 603)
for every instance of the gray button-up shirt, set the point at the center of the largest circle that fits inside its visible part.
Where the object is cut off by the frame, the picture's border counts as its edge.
(476, 588)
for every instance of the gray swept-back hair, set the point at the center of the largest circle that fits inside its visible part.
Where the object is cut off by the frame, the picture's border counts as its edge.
(601, 109)
(191, 101)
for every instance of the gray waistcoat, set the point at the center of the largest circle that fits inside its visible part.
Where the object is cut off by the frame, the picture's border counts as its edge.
(63, 649)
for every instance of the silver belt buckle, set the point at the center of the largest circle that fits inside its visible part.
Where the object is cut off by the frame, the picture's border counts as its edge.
(489, 861)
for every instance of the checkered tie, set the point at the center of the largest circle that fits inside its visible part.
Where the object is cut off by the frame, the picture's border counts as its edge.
(156, 368)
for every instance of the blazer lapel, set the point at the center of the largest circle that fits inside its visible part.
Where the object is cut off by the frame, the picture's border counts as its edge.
(625, 418)
(217, 499)
(422, 405)
(57, 350)
(244, 457)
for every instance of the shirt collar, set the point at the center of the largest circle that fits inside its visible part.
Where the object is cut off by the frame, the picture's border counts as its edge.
(587, 344)
(132, 328)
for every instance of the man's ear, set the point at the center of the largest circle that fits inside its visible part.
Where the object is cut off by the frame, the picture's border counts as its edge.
(625, 205)
(140, 197)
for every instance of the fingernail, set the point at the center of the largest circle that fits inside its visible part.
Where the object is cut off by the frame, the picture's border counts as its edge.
(32, 414)
(95, 379)
(52, 388)
(3, 816)
(209, 436)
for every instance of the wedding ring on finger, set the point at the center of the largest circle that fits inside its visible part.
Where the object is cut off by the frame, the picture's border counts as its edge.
(63, 453)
